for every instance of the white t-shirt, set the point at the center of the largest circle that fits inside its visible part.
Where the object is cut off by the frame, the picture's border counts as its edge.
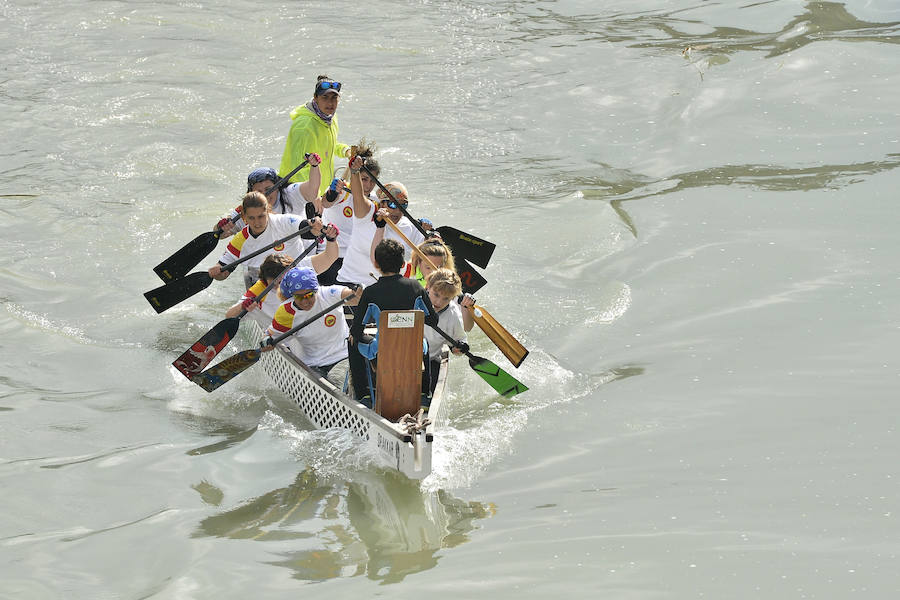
(294, 202)
(322, 342)
(280, 226)
(291, 201)
(357, 261)
(449, 320)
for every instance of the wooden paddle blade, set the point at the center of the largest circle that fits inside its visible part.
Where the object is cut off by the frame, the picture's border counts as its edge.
(466, 245)
(189, 256)
(472, 281)
(226, 370)
(166, 296)
(201, 353)
(505, 342)
(504, 383)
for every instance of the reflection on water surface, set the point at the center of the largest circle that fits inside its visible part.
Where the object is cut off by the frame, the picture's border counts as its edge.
(379, 525)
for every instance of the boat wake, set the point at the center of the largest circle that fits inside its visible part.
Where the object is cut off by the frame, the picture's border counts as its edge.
(335, 453)
(485, 427)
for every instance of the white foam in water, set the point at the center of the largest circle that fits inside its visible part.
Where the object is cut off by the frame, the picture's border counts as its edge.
(183, 396)
(48, 325)
(333, 452)
(484, 428)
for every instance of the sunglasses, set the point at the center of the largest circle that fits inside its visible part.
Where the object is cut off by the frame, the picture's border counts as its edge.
(329, 85)
(305, 296)
(392, 204)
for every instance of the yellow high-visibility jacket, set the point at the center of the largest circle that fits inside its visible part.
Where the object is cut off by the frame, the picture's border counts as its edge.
(309, 133)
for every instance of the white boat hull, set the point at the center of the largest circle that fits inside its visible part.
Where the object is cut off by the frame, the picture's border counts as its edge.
(328, 407)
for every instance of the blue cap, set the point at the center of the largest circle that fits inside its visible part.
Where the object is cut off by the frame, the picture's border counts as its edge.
(299, 278)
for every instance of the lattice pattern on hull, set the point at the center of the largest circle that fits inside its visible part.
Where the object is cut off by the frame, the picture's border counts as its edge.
(327, 407)
(320, 405)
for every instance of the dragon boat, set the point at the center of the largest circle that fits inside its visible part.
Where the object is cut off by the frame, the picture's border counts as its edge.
(404, 443)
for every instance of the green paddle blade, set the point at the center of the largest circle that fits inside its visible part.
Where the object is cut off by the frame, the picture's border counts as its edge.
(465, 245)
(188, 257)
(504, 383)
(201, 353)
(166, 296)
(226, 370)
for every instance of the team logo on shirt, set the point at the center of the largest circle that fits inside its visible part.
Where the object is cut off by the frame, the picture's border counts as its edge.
(278, 248)
(330, 320)
(348, 211)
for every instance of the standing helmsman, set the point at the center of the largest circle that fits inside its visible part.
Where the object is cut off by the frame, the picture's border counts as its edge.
(314, 128)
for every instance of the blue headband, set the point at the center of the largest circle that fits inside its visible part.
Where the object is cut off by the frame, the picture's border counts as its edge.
(261, 174)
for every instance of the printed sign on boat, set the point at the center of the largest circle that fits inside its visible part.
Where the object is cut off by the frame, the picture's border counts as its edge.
(401, 320)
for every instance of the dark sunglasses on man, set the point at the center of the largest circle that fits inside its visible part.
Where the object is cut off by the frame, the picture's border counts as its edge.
(392, 204)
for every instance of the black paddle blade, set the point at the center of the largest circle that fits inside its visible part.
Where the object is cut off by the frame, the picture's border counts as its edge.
(504, 383)
(465, 245)
(226, 370)
(189, 256)
(166, 296)
(472, 281)
(195, 358)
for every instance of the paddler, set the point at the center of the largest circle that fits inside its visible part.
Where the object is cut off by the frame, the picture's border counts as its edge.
(264, 228)
(272, 269)
(357, 260)
(290, 198)
(337, 208)
(390, 292)
(321, 344)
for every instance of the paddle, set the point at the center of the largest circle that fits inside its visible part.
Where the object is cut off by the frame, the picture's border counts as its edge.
(170, 294)
(504, 383)
(213, 341)
(505, 342)
(231, 367)
(190, 255)
(472, 281)
(464, 245)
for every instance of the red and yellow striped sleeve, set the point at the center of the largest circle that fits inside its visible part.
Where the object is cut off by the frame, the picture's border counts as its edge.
(233, 251)
(284, 318)
(254, 290)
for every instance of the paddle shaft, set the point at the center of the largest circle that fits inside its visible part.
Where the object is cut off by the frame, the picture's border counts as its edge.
(453, 343)
(275, 281)
(284, 179)
(218, 230)
(293, 330)
(231, 266)
(281, 181)
(402, 208)
(409, 243)
(505, 342)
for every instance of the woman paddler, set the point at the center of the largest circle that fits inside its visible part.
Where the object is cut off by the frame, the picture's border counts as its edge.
(323, 343)
(289, 198)
(262, 229)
